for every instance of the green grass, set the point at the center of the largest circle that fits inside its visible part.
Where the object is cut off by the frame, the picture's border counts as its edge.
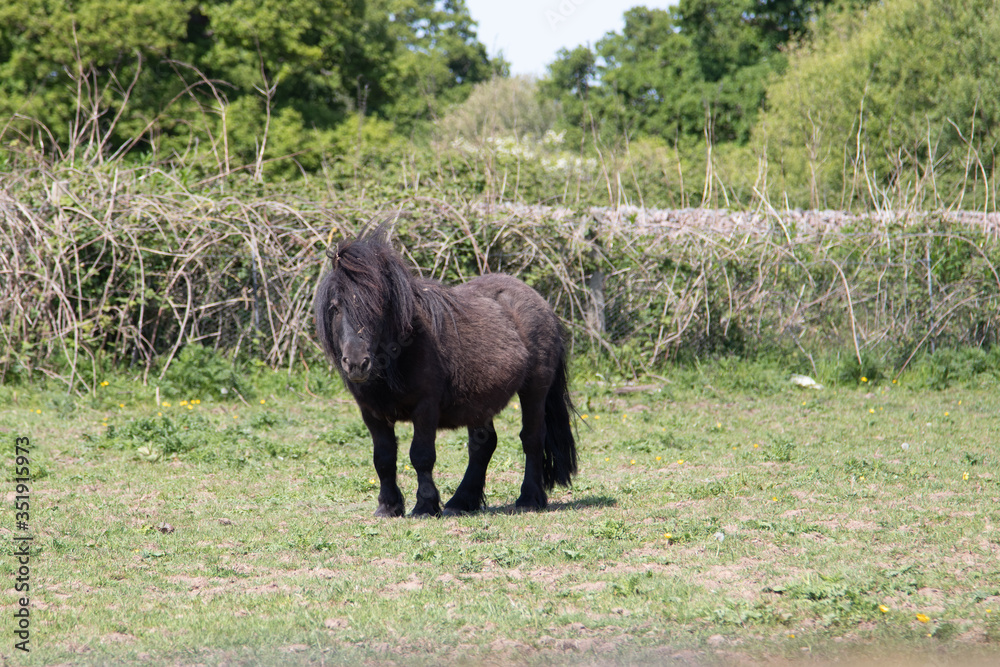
(708, 524)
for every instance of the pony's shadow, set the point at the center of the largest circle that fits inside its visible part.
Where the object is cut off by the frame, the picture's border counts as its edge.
(577, 504)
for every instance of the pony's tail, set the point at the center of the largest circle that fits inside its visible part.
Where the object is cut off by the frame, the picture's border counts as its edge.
(559, 457)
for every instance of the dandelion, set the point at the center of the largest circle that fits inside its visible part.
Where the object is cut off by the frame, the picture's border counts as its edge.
(632, 461)
(965, 477)
(923, 618)
(159, 414)
(595, 416)
(197, 401)
(105, 383)
(989, 611)
(774, 499)
(791, 635)
(756, 446)
(190, 407)
(182, 403)
(166, 404)
(262, 401)
(658, 458)
(864, 379)
(607, 458)
(236, 416)
(871, 410)
(371, 481)
(945, 413)
(584, 416)
(121, 405)
(680, 462)
(38, 412)
(668, 537)
(882, 608)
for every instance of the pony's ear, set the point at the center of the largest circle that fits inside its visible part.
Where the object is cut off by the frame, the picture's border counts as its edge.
(334, 255)
(379, 229)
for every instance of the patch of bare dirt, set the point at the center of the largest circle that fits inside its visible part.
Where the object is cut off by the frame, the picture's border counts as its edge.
(412, 583)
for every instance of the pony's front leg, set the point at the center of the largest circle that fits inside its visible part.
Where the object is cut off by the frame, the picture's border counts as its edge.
(390, 498)
(423, 456)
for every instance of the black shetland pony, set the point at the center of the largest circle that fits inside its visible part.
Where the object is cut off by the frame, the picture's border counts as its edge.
(411, 349)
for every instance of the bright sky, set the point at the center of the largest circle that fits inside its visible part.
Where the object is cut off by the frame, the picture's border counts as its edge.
(529, 32)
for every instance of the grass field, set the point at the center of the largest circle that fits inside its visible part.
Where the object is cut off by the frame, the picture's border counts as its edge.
(712, 522)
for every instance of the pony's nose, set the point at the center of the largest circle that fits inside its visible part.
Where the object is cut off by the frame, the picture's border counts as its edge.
(362, 367)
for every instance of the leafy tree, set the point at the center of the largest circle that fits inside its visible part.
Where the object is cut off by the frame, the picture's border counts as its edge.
(500, 107)
(570, 79)
(247, 79)
(437, 58)
(900, 103)
(676, 73)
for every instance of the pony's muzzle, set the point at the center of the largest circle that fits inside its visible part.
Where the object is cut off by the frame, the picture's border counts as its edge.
(357, 371)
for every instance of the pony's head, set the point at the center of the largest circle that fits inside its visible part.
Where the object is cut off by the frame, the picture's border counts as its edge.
(364, 308)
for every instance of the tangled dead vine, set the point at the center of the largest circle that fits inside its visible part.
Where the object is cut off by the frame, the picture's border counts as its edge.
(125, 267)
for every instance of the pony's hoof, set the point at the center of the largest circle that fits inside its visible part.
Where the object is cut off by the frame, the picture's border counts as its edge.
(455, 507)
(524, 504)
(426, 510)
(458, 511)
(389, 511)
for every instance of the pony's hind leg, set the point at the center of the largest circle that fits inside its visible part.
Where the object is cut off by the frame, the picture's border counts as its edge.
(533, 441)
(469, 496)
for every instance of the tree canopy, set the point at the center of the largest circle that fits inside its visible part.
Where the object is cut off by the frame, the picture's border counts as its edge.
(173, 72)
(835, 102)
(675, 73)
(902, 100)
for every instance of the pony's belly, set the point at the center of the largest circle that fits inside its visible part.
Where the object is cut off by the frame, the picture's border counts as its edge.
(469, 414)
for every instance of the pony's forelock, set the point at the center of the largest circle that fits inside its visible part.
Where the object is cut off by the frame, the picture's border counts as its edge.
(373, 286)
